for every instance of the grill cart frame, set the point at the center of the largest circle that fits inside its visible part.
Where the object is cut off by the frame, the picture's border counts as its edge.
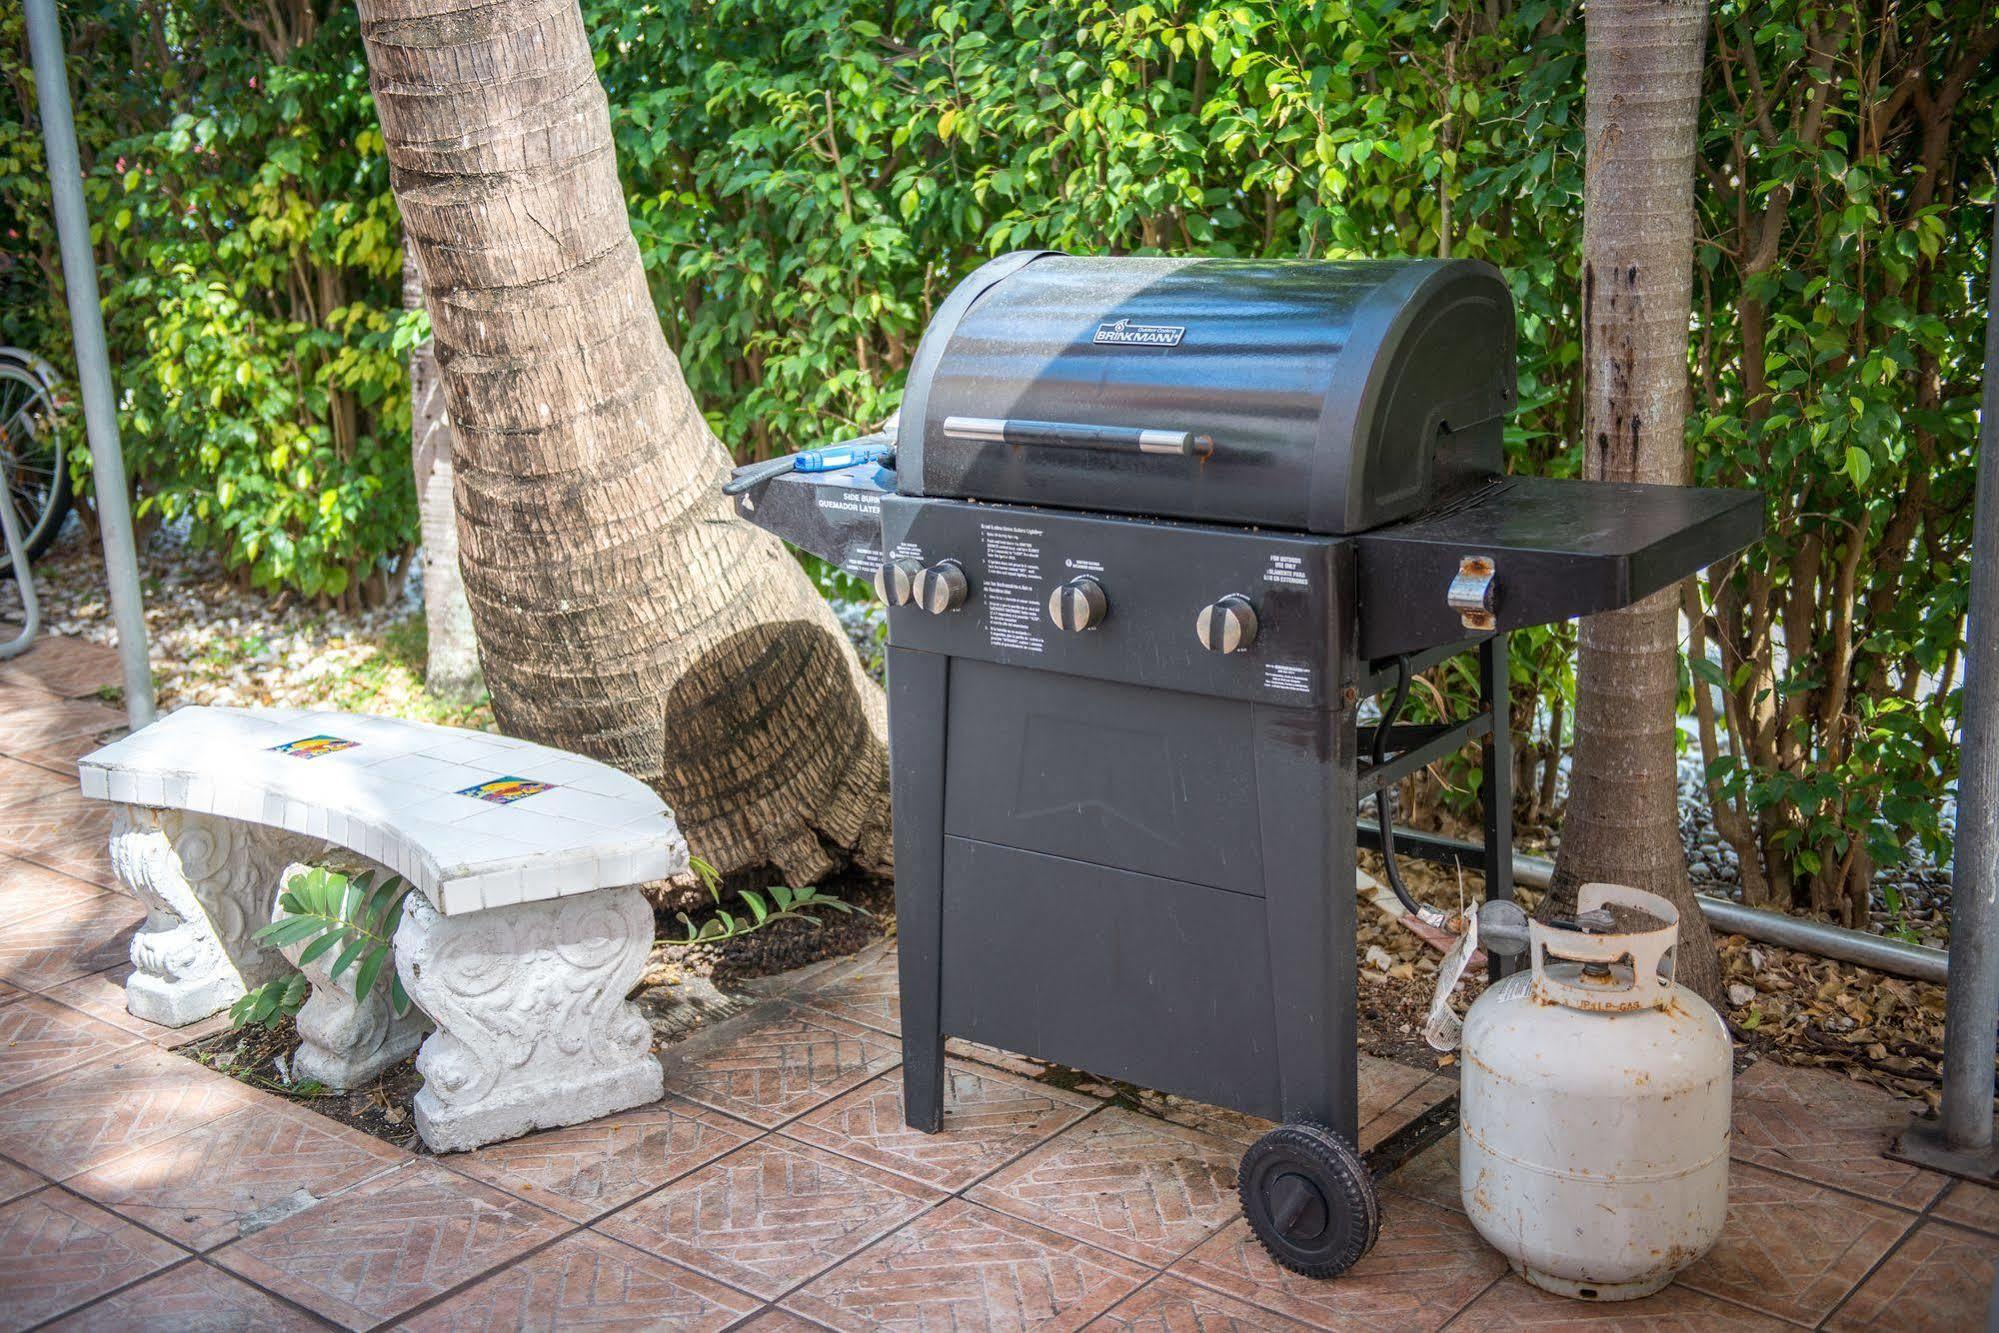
(1126, 750)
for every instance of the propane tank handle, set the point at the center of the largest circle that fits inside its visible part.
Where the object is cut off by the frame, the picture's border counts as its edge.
(1651, 952)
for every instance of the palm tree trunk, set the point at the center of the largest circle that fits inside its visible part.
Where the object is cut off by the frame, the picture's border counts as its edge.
(1644, 79)
(622, 610)
(451, 668)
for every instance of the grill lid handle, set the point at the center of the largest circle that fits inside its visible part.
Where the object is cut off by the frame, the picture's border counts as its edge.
(1075, 435)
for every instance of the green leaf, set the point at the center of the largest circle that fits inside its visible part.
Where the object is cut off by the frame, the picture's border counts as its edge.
(1858, 465)
(371, 965)
(357, 946)
(318, 947)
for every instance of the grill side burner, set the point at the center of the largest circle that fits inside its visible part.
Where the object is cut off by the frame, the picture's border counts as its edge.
(1156, 530)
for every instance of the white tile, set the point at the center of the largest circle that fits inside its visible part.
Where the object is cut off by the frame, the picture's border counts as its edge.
(423, 773)
(562, 878)
(501, 888)
(538, 832)
(591, 808)
(458, 852)
(200, 796)
(96, 783)
(663, 862)
(616, 869)
(468, 749)
(458, 896)
(442, 811)
(238, 799)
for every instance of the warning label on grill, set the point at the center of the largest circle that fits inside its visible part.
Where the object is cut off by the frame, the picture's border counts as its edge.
(1280, 676)
(1013, 576)
(1287, 569)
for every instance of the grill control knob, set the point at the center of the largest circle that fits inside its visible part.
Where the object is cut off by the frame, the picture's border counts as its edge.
(895, 581)
(1229, 626)
(1078, 604)
(942, 587)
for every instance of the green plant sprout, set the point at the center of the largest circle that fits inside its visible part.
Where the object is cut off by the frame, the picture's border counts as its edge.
(326, 910)
(784, 904)
(358, 916)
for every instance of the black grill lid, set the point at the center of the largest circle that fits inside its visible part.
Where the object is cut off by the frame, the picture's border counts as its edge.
(1316, 396)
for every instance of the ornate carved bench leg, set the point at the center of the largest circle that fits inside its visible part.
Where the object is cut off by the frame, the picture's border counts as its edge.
(207, 885)
(344, 1042)
(533, 1027)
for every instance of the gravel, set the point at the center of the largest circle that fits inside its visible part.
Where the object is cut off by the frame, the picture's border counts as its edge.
(214, 643)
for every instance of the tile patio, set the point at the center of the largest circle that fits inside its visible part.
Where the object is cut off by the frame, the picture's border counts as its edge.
(775, 1187)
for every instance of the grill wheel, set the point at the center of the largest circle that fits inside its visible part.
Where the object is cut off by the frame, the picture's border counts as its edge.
(1310, 1199)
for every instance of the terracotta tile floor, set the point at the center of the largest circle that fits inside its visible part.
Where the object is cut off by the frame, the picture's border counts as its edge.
(775, 1188)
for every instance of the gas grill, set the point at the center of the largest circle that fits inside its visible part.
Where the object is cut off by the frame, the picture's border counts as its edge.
(1149, 532)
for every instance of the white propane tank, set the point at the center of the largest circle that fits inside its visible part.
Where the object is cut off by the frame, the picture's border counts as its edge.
(1594, 1113)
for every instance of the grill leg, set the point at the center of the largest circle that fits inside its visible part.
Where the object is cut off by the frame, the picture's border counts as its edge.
(1306, 780)
(917, 684)
(1493, 693)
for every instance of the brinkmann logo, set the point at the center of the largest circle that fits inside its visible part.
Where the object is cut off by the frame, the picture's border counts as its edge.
(1124, 333)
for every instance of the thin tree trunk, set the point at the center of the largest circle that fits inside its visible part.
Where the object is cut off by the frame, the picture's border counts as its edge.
(622, 609)
(1644, 76)
(452, 669)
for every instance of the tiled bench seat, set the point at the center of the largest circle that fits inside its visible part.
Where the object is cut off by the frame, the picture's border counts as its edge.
(520, 941)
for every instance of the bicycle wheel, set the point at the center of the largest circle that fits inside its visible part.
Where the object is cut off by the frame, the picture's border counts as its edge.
(31, 463)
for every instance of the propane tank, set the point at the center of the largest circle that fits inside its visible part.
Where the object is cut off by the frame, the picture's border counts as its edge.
(1594, 1113)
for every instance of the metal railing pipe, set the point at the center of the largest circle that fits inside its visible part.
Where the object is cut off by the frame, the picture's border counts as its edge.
(1819, 938)
(1915, 961)
(17, 551)
(93, 364)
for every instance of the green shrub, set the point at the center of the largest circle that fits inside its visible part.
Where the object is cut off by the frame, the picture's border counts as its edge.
(808, 180)
(252, 285)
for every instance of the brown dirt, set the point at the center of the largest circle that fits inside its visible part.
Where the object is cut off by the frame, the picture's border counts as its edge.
(784, 945)
(261, 1057)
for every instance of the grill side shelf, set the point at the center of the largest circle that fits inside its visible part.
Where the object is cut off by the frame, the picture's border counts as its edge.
(1560, 549)
(834, 515)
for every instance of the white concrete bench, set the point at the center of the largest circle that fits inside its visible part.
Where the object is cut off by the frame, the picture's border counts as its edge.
(520, 941)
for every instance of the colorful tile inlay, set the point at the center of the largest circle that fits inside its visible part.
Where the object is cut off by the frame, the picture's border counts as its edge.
(311, 747)
(505, 791)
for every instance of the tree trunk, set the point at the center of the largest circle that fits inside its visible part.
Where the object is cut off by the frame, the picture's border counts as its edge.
(452, 669)
(622, 609)
(1644, 76)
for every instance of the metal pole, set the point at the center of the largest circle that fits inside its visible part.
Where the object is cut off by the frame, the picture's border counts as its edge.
(93, 366)
(1972, 1005)
(1961, 1141)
